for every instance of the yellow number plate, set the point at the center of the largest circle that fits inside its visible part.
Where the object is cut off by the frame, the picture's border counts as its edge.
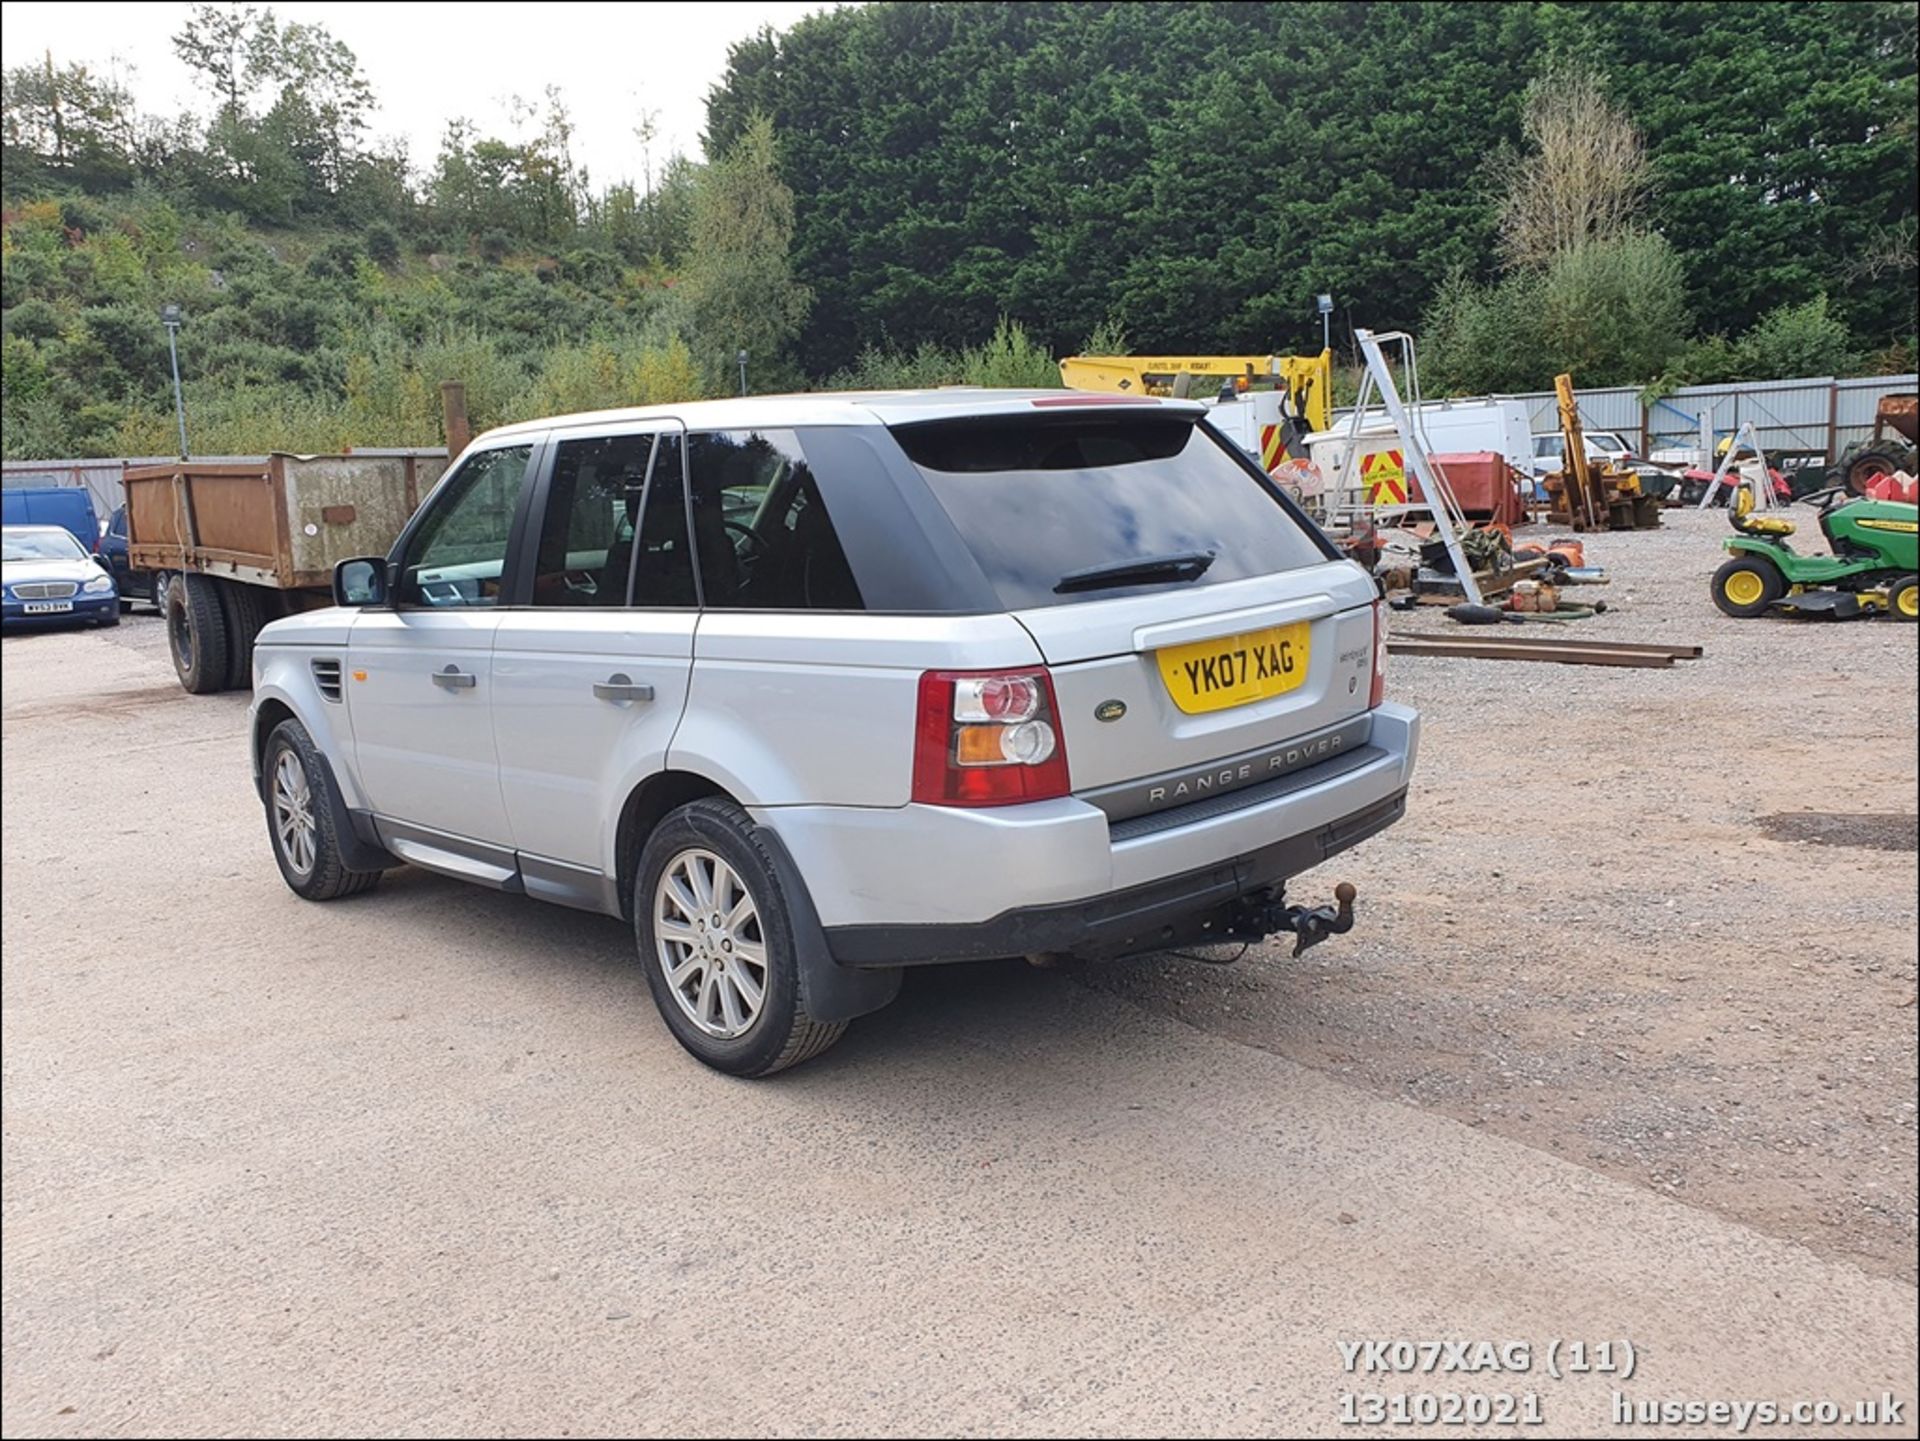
(1236, 669)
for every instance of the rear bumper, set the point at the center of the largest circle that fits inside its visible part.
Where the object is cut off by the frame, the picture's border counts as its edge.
(920, 883)
(1183, 909)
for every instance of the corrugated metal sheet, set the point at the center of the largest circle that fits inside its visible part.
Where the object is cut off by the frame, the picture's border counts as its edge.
(1855, 401)
(1787, 415)
(1817, 414)
(1616, 408)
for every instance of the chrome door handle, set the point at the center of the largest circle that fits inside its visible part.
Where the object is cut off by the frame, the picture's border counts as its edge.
(453, 678)
(622, 687)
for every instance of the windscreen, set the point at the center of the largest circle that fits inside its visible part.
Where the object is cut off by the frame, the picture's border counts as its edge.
(1062, 509)
(40, 545)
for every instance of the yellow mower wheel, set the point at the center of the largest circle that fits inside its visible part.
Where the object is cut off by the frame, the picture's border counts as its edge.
(1746, 585)
(1903, 597)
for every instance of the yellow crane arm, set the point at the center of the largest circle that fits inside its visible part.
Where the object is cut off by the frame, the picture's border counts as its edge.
(1308, 377)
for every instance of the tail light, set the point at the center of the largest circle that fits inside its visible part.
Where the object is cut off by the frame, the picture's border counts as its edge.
(987, 738)
(1378, 692)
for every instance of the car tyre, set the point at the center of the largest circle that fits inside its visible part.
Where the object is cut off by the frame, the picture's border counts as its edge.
(715, 937)
(197, 633)
(296, 789)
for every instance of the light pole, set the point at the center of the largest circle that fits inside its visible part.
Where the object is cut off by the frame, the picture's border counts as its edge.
(170, 317)
(742, 358)
(1326, 322)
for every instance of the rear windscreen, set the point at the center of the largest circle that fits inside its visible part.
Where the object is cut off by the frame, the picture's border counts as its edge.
(1041, 499)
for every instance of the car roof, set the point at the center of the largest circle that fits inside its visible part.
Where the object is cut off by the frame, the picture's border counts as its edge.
(841, 407)
(36, 530)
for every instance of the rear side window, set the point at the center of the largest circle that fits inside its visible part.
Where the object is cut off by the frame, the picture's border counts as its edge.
(762, 531)
(1048, 503)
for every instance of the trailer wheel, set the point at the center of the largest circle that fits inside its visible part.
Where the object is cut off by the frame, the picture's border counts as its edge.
(197, 633)
(162, 583)
(246, 612)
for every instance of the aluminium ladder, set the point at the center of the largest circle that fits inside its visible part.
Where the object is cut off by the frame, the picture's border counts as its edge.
(1439, 500)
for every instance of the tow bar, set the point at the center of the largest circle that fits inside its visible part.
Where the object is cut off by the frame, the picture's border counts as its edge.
(1310, 924)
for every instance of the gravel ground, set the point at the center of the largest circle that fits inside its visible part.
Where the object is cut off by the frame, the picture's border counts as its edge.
(1660, 923)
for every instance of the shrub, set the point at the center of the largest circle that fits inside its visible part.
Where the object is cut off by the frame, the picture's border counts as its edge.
(1010, 359)
(33, 320)
(1795, 340)
(878, 369)
(383, 245)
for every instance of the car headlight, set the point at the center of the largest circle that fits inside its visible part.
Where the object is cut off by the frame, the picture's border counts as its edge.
(99, 585)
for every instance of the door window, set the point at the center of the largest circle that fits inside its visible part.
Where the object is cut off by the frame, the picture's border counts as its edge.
(762, 531)
(458, 553)
(592, 512)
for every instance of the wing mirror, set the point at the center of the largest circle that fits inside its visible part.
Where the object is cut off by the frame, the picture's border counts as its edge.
(361, 582)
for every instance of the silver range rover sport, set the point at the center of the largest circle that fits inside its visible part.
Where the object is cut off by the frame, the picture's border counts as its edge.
(810, 689)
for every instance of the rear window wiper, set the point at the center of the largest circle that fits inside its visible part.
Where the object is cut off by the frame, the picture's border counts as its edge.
(1144, 570)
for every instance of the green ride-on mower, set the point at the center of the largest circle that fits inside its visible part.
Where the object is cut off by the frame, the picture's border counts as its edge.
(1871, 571)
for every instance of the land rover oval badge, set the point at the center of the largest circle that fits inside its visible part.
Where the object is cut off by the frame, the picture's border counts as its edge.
(1110, 710)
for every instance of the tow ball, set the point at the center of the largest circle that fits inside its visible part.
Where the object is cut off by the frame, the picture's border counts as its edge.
(1311, 924)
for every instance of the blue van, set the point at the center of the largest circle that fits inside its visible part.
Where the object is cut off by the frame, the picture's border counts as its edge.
(68, 506)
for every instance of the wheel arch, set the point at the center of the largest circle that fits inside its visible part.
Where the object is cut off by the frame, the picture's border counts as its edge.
(643, 809)
(1748, 547)
(267, 714)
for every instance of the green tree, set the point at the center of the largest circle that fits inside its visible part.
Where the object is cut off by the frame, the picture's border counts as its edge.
(63, 124)
(232, 45)
(740, 291)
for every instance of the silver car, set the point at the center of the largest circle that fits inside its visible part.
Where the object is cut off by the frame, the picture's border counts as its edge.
(810, 689)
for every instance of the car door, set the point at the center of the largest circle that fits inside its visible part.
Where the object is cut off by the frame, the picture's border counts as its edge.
(421, 690)
(590, 672)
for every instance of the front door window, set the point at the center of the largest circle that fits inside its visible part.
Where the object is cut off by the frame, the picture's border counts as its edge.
(456, 557)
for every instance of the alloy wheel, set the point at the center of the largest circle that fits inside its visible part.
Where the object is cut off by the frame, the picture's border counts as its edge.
(710, 944)
(293, 822)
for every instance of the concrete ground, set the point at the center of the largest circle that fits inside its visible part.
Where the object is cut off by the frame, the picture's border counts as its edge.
(1660, 922)
(426, 1162)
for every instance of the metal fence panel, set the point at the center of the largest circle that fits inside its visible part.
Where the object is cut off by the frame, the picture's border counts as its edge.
(1787, 415)
(1855, 401)
(1817, 414)
(1616, 408)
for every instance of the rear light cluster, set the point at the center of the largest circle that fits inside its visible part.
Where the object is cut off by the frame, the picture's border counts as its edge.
(987, 738)
(1378, 692)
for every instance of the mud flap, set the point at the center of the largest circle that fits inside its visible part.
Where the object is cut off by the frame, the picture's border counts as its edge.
(830, 992)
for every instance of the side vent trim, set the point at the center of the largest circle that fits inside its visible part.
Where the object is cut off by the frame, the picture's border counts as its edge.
(326, 675)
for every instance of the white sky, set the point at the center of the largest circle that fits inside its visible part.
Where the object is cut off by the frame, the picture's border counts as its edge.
(429, 63)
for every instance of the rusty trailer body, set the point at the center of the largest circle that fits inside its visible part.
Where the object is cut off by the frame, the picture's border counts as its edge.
(283, 522)
(241, 543)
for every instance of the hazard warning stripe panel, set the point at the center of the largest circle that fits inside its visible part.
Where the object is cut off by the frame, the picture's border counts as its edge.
(1272, 452)
(1385, 476)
